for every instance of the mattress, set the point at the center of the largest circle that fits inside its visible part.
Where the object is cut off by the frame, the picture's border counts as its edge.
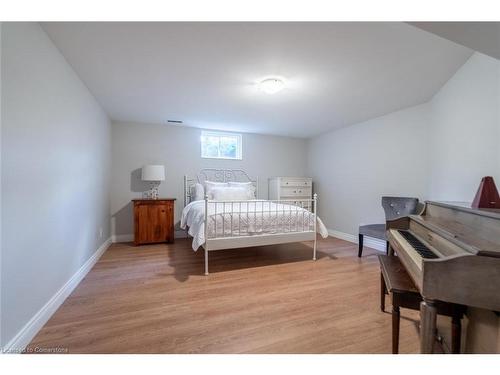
(248, 218)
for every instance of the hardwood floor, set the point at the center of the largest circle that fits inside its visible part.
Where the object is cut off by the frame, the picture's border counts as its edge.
(273, 299)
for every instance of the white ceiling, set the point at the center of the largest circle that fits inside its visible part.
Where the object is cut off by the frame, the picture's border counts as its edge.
(480, 36)
(205, 73)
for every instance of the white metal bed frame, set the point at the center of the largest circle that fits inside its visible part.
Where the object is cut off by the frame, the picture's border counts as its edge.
(235, 239)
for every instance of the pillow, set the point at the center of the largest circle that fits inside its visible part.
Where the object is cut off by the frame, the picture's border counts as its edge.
(197, 192)
(230, 193)
(247, 185)
(209, 185)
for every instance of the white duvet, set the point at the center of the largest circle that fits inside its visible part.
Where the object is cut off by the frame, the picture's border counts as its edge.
(246, 219)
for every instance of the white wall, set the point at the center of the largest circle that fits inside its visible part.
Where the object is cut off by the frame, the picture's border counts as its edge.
(439, 150)
(178, 148)
(55, 170)
(0, 183)
(353, 167)
(465, 131)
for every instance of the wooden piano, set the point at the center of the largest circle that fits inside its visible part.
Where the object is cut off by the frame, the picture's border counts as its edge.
(452, 253)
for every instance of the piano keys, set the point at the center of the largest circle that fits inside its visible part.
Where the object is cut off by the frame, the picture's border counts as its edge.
(452, 253)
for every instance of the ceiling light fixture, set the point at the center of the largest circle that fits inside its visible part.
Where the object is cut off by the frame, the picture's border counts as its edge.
(271, 85)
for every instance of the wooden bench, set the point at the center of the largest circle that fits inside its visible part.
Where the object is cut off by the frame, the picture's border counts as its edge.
(394, 280)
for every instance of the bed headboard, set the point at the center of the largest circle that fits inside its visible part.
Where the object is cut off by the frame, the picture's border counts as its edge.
(217, 175)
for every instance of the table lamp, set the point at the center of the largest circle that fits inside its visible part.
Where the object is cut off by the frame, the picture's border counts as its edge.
(154, 174)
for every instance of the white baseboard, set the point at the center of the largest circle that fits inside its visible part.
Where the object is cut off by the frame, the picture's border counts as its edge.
(373, 243)
(130, 237)
(28, 332)
(122, 238)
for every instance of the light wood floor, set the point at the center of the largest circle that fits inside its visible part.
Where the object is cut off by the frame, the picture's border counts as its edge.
(274, 299)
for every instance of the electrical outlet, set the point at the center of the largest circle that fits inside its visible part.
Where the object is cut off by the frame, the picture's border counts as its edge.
(100, 232)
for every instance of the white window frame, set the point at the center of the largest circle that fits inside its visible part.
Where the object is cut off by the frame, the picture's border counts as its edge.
(239, 146)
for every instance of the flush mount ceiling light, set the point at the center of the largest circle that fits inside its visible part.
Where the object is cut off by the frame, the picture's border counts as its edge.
(271, 85)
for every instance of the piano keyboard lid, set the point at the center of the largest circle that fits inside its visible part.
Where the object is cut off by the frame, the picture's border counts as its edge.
(481, 239)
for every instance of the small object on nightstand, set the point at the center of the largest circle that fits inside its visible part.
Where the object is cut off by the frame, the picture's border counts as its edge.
(153, 220)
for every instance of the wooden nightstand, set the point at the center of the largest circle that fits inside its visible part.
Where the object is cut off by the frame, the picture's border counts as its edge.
(153, 220)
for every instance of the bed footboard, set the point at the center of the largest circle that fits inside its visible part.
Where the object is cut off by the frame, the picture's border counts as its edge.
(249, 223)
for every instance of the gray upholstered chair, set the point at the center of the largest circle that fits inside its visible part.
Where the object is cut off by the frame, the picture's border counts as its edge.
(394, 207)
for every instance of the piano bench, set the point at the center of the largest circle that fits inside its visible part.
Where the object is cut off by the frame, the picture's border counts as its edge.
(395, 281)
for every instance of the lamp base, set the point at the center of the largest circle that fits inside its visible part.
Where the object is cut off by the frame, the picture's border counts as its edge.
(153, 192)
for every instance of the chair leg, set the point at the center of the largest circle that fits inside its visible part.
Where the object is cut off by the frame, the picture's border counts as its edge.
(382, 292)
(387, 248)
(390, 250)
(456, 334)
(395, 329)
(360, 242)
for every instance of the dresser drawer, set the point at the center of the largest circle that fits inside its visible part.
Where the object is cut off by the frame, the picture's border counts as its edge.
(290, 188)
(296, 181)
(296, 191)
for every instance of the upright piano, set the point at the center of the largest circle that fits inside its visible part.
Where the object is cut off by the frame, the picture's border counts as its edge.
(452, 253)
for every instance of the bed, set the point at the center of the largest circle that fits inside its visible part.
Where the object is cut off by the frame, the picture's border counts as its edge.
(239, 219)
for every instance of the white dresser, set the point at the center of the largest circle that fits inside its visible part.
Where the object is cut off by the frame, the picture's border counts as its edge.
(290, 188)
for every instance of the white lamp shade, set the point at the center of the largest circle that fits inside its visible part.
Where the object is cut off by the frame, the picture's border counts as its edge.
(153, 173)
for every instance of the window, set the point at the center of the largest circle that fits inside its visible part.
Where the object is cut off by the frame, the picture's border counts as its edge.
(219, 145)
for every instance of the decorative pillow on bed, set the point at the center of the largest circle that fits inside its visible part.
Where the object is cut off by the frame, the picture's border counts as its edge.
(229, 193)
(197, 192)
(247, 185)
(210, 185)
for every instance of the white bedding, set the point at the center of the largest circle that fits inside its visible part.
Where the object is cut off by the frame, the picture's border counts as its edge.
(248, 218)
